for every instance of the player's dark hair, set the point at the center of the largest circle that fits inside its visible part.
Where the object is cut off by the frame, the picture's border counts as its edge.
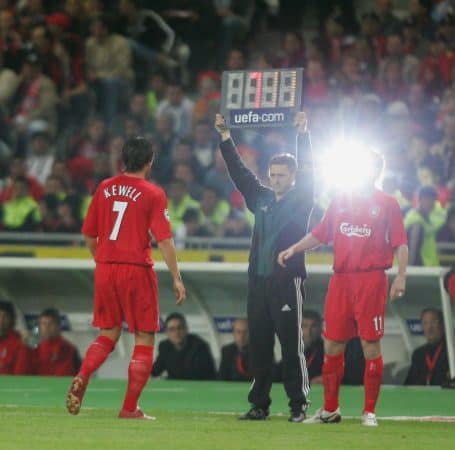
(312, 315)
(53, 313)
(284, 159)
(136, 153)
(8, 308)
(176, 316)
(436, 311)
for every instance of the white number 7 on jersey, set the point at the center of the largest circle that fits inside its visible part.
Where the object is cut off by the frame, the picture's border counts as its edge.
(120, 208)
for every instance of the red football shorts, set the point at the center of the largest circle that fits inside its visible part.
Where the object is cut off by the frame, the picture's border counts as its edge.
(355, 306)
(126, 292)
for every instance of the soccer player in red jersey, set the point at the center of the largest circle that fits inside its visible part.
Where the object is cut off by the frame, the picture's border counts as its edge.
(54, 355)
(366, 228)
(125, 212)
(14, 354)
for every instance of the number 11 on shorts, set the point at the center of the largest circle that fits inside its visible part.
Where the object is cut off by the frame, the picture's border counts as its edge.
(378, 323)
(120, 208)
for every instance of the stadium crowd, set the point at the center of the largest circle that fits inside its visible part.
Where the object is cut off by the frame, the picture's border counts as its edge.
(79, 77)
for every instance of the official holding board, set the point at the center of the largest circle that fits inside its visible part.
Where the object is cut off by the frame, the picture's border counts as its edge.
(275, 294)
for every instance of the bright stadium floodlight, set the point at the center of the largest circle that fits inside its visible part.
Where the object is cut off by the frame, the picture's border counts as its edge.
(346, 166)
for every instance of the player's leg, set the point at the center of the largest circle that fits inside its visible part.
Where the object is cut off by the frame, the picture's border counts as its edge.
(96, 354)
(139, 372)
(287, 311)
(107, 316)
(262, 337)
(139, 299)
(372, 379)
(370, 320)
(339, 328)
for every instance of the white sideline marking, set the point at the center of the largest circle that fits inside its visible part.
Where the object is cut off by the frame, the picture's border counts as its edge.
(24, 390)
(387, 418)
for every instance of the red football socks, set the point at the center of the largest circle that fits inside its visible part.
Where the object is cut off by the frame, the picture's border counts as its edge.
(139, 371)
(332, 374)
(374, 368)
(96, 354)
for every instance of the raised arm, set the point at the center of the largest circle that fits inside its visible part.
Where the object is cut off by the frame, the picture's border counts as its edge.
(304, 180)
(245, 180)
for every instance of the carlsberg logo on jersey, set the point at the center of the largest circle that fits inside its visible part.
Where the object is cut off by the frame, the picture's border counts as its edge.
(349, 229)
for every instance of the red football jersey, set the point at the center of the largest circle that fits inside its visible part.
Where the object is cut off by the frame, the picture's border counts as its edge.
(125, 211)
(14, 355)
(364, 231)
(56, 357)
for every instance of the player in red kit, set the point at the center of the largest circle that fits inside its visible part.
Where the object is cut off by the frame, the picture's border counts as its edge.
(126, 211)
(366, 229)
(14, 354)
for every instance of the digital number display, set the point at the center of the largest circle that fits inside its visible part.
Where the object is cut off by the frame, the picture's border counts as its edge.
(259, 95)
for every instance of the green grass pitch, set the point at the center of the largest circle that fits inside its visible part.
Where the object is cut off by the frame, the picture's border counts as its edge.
(203, 415)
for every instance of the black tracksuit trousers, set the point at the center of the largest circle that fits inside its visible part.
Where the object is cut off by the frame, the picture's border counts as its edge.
(275, 305)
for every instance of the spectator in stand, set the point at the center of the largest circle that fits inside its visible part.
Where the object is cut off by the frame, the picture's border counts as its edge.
(414, 43)
(445, 149)
(179, 202)
(179, 106)
(40, 156)
(236, 59)
(109, 67)
(157, 90)
(236, 226)
(429, 364)
(21, 212)
(8, 84)
(165, 140)
(150, 37)
(184, 153)
(54, 356)
(422, 224)
(17, 168)
(35, 98)
(185, 173)
(316, 89)
(196, 25)
(392, 87)
(420, 12)
(183, 355)
(388, 21)
(370, 29)
(294, 50)
(447, 232)
(187, 228)
(75, 100)
(11, 41)
(204, 145)
(138, 110)
(234, 364)
(55, 67)
(213, 212)
(208, 85)
(235, 17)
(218, 177)
(14, 354)
(429, 173)
(84, 147)
(395, 51)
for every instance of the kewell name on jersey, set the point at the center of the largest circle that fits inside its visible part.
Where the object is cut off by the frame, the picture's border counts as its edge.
(123, 191)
